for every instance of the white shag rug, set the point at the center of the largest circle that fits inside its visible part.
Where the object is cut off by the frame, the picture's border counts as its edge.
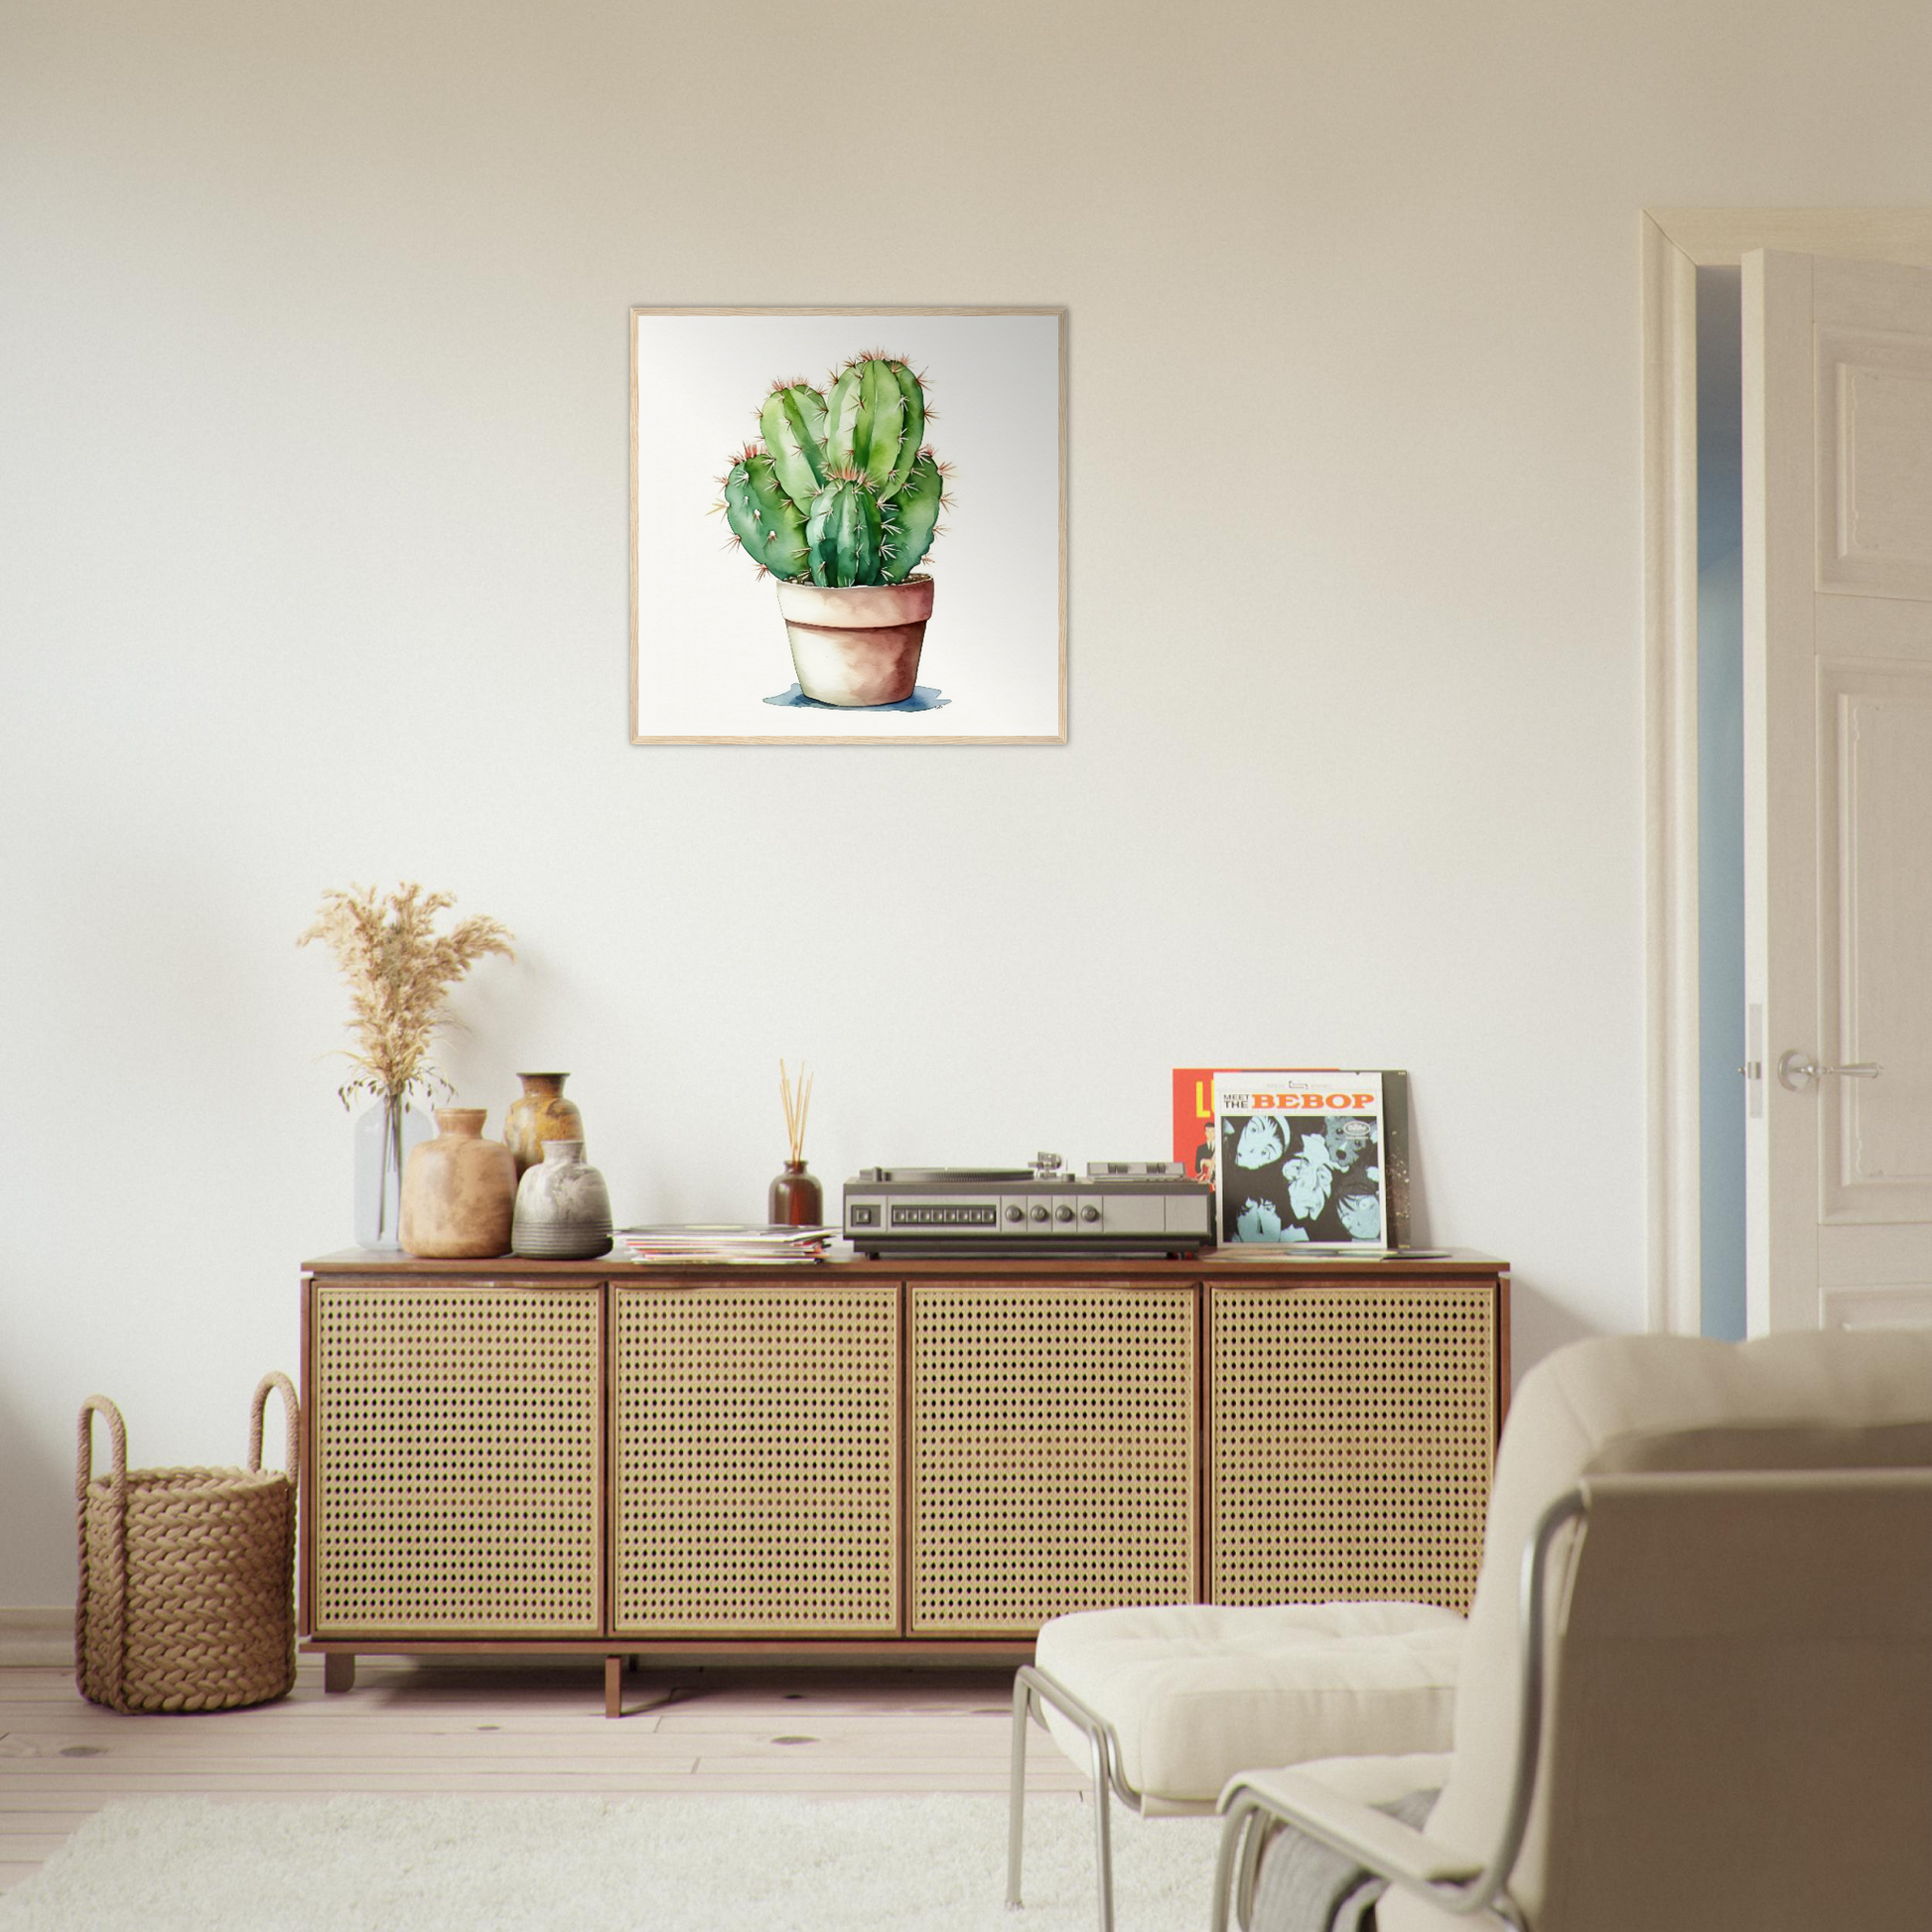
(757, 1864)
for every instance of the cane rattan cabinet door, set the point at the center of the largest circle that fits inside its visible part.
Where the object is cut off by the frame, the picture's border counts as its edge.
(1350, 1443)
(756, 1448)
(457, 1482)
(1053, 1452)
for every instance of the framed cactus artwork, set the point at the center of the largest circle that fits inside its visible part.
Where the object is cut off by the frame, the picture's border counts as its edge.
(847, 527)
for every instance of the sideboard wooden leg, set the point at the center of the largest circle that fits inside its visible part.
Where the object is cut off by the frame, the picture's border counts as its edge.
(613, 1687)
(339, 1670)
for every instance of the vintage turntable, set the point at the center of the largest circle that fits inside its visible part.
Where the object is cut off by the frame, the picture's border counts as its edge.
(1128, 1207)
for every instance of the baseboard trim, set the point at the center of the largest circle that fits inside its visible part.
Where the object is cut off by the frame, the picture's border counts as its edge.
(38, 1637)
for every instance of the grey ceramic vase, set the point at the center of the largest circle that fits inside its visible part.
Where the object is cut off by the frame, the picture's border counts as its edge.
(563, 1208)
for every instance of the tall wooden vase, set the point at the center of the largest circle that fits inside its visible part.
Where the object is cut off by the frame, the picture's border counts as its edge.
(540, 1113)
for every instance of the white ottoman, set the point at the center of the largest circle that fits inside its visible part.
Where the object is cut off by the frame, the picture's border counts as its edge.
(1165, 1704)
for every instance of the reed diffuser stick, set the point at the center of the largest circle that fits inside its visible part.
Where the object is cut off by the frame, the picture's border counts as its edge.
(798, 1104)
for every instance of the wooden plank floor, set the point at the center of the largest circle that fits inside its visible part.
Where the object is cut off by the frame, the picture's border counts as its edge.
(510, 1727)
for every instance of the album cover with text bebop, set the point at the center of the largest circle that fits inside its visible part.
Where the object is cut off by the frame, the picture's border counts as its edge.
(1304, 1158)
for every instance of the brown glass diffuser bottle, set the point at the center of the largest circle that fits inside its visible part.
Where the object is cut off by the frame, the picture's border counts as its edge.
(796, 1199)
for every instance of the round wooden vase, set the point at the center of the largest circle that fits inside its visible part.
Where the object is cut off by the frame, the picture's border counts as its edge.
(539, 1114)
(459, 1190)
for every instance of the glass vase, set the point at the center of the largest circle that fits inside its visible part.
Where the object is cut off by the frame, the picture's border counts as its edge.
(384, 1134)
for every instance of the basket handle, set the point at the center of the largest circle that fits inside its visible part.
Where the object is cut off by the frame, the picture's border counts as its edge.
(112, 1613)
(291, 1410)
(117, 1433)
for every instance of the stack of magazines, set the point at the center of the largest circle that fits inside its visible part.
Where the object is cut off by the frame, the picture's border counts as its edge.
(700, 1241)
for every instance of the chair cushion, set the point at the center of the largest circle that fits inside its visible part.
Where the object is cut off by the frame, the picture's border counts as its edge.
(1198, 1691)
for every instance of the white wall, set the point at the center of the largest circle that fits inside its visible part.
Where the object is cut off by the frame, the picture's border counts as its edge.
(313, 371)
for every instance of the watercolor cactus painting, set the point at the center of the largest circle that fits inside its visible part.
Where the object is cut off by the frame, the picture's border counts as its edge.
(903, 616)
(840, 502)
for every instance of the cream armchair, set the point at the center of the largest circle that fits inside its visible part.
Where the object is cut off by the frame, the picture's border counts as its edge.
(1697, 1684)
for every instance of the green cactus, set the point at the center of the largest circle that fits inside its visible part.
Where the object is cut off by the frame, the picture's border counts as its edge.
(845, 531)
(913, 518)
(875, 417)
(765, 520)
(842, 491)
(793, 421)
(912, 430)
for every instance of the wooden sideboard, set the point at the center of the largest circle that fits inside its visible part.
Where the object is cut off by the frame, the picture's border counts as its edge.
(882, 1459)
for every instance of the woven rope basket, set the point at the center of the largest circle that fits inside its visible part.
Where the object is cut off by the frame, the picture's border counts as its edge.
(187, 1576)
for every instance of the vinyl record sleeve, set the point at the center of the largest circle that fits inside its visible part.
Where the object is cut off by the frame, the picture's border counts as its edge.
(1202, 1150)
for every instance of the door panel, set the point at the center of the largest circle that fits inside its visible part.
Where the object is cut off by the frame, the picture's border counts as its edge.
(1874, 462)
(457, 1472)
(1053, 1452)
(755, 1445)
(1875, 751)
(1351, 1438)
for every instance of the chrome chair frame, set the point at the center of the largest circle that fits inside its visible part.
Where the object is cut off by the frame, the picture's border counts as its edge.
(1254, 1816)
(1032, 1689)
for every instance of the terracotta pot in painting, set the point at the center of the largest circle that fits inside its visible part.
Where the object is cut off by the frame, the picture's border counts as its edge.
(459, 1190)
(859, 644)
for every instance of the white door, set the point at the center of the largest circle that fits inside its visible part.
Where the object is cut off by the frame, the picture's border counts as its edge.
(1837, 780)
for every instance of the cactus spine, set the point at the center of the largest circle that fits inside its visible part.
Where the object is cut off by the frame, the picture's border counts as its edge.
(842, 490)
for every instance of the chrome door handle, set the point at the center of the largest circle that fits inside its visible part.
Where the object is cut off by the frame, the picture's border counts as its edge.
(1797, 1070)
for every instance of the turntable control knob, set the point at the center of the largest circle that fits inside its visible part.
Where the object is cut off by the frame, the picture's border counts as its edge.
(1089, 1213)
(1063, 1213)
(1015, 1212)
(1039, 1214)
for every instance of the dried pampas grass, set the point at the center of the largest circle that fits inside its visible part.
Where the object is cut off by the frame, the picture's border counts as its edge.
(399, 968)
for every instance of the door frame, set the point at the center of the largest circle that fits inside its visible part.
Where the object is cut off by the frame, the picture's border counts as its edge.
(1675, 243)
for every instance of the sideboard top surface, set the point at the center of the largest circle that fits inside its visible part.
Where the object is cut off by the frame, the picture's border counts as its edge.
(1210, 1265)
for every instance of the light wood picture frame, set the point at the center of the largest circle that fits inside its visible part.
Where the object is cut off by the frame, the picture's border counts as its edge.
(839, 451)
